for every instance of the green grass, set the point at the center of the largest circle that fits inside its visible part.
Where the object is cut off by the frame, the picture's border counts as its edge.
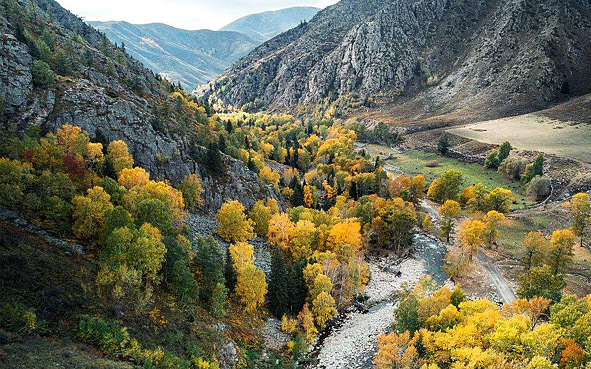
(413, 163)
(513, 233)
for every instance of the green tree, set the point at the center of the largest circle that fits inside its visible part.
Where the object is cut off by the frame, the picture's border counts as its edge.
(542, 282)
(213, 159)
(154, 211)
(229, 272)
(208, 260)
(407, 313)
(279, 286)
(443, 144)
(43, 76)
(492, 160)
(447, 187)
(504, 151)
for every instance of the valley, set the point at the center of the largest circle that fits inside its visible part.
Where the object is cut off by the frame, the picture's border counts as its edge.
(377, 184)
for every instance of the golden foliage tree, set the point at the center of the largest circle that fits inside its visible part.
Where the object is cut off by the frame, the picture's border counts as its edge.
(281, 230)
(233, 225)
(130, 178)
(450, 210)
(323, 308)
(260, 215)
(560, 253)
(90, 212)
(192, 189)
(242, 254)
(492, 220)
(470, 236)
(251, 287)
(580, 209)
(118, 154)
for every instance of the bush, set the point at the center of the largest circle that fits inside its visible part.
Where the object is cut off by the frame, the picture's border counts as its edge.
(43, 76)
(539, 188)
(17, 317)
(112, 340)
(492, 160)
(513, 167)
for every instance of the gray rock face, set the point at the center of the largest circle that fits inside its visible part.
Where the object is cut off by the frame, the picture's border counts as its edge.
(15, 71)
(101, 101)
(524, 54)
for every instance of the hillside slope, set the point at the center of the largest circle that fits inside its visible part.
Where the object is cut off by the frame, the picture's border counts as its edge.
(109, 94)
(189, 57)
(421, 59)
(264, 26)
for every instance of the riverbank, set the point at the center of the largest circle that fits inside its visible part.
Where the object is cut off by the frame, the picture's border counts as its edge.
(352, 341)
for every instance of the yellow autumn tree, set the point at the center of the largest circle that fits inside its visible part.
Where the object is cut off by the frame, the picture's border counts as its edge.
(300, 245)
(242, 254)
(95, 152)
(233, 225)
(73, 140)
(130, 178)
(560, 253)
(281, 230)
(251, 287)
(90, 212)
(450, 210)
(308, 196)
(260, 215)
(580, 209)
(345, 238)
(470, 236)
(397, 351)
(323, 308)
(192, 189)
(492, 220)
(535, 250)
(118, 154)
(306, 320)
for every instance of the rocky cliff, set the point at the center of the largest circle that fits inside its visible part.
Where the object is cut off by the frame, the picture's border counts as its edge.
(108, 94)
(430, 57)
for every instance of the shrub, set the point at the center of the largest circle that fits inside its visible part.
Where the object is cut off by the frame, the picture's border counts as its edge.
(112, 340)
(513, 167)
(539, 188)
(17, 317)
(43, 76)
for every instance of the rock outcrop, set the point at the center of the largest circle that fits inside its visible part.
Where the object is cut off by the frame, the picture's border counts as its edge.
(431, 56)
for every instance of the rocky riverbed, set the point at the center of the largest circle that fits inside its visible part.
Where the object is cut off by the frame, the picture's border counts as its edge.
(352, 343)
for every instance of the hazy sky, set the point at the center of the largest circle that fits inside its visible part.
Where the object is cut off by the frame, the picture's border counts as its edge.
(188, 14)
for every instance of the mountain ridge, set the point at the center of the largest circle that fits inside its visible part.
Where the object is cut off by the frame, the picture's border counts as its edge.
(272, 22)
(193, 57)
(429, 58)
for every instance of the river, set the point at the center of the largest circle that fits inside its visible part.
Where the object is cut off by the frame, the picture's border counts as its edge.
(352, 341)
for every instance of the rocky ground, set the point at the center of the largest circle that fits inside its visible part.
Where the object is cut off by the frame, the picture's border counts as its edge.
(204, 225)
(353, 342)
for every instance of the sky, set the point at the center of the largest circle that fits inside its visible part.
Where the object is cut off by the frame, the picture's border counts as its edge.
(186, 14)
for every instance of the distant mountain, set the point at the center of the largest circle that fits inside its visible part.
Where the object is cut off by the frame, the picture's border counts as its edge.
(265, 26)
(195, 57)
(189, 57)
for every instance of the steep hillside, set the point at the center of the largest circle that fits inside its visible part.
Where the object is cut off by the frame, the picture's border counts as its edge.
(420, 59)
(266, 25)
(189, 57)
(106, 92)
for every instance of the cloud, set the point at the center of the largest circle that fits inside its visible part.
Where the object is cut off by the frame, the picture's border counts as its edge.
(188, 14)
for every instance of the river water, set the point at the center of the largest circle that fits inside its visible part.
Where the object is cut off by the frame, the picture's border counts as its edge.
(352, 341)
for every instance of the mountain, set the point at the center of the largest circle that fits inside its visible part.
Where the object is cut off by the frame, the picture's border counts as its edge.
(442, 60)
(191, 57)
(264, 26)
(106, 92)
